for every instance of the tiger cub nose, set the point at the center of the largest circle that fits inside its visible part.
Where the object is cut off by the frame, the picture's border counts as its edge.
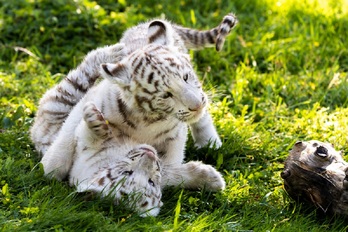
(149, 153)
(196, 107)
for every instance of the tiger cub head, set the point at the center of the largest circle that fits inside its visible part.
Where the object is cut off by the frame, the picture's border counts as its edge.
(158, 80)
(133, 181)
(139, 180)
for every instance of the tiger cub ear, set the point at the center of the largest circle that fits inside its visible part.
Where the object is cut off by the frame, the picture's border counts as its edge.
(160, 33)
(116, 73)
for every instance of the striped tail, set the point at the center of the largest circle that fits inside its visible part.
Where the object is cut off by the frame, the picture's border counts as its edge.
(58, 102)
(195, 39)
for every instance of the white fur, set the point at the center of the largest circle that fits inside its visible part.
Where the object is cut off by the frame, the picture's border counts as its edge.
(70, 148)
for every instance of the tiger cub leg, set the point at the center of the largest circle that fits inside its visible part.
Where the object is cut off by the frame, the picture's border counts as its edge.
(193, 175)
(58, 159)
(204, 132)
(59, 101)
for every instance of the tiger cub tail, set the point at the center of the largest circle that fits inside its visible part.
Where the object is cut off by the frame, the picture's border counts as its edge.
(57, 103)
(195, 39)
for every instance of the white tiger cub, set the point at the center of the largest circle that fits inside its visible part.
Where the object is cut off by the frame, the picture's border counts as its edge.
(57, 103)
(149, 96)
(202, 131)
(135, 172)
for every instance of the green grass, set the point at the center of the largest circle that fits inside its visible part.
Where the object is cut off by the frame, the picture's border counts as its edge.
(281, 77)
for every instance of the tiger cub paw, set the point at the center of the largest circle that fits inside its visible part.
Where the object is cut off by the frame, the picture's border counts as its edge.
(206, 176)
(115, 53)
(95, 120)
(212, 142)
(225, 27)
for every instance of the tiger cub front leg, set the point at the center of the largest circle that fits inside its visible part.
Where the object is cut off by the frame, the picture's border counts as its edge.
(204, 132)
(193, 175)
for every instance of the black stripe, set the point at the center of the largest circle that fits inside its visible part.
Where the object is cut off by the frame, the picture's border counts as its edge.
(228, 21)
(57, 114)
(59, 99)
(189, 35)
(169, 59)
(161, 31)
(155, 50)
(157, 35)
(210, 37)
(108, 175)
(142, 73)
(65, 101)
(97, 153)
(138, 66)
(76, 85)
(141, 100)
(156, 84)
(166, 131)
(155, 119)
(135, 60)
(148, 91)
(90, 79)
(150, 78)
(158, 23)
(168, 110)
(107, 140)
(124, 112)
(64, 91)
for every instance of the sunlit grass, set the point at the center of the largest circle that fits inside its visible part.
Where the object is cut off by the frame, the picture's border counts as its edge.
(281, 77)
(329, 8)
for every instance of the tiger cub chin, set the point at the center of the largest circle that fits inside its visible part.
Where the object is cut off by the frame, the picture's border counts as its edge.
(149, 96)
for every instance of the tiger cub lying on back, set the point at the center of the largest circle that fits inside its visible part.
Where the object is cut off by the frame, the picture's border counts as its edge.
(127, 134)
(105, 165)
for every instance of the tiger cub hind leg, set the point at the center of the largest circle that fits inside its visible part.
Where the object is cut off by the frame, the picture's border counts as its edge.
(193, 175)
